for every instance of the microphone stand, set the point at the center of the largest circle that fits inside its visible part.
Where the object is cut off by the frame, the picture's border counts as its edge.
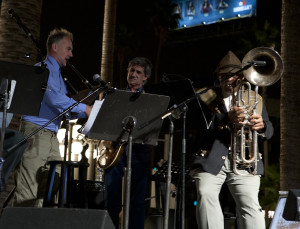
(27, 31)
(65, 113)
(62, 188)
(128, 125)
(169, 176)
(183, 108)
(97, 90)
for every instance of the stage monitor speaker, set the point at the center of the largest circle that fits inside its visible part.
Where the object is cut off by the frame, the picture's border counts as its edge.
(292, 206)
(279, 222)
(58, 218)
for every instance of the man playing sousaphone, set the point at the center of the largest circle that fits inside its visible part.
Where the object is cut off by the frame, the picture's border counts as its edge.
(213, 162)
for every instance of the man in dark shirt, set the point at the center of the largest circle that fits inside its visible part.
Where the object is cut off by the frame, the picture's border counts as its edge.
(138, 71)
(213, 163)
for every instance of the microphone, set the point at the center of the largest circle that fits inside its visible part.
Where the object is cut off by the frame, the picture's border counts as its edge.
(97, 78)
(257, 62)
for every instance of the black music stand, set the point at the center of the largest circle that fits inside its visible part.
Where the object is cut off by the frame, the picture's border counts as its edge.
(119, 105)
(126, 116)
(30, 83)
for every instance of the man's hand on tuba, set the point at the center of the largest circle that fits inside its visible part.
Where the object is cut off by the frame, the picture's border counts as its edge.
(237, 115)
(258, 122)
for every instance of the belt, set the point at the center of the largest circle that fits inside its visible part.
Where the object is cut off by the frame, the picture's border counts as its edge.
(53, 133)
(50, 131)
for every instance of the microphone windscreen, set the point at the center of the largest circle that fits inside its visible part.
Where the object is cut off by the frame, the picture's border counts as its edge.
(96, 77)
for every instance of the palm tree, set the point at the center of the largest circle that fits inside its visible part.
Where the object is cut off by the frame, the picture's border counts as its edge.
(290, 97)
(161, 19)
(14, 45)
(108, 41)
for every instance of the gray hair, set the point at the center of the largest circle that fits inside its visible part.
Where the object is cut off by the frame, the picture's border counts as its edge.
(56, 35)
(143, 62)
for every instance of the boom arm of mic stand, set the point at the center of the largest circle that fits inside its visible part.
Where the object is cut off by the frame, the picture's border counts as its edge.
(236, 73)
(98, 90)
(84, 80)
(167, 113)
(27, 31)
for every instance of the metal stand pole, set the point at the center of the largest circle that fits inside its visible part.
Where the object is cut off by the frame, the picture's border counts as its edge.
(63, 178)
(168, 182)
(97, 90)
(183, 169)
(129, 123)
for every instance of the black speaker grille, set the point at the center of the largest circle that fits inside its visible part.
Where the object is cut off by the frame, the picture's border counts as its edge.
(58, 218)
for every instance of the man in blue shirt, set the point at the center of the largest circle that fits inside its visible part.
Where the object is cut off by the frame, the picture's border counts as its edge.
(138, 71)
(43, 146)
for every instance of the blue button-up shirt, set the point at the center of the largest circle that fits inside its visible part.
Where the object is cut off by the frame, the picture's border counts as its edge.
(55, 99)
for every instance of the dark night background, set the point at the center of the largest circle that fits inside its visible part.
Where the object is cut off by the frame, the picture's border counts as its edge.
(191, 52)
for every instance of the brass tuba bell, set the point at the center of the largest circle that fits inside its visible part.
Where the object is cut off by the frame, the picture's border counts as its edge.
(267, 75)
(244, 139)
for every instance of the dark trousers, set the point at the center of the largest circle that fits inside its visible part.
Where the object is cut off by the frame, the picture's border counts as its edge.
(139, 182)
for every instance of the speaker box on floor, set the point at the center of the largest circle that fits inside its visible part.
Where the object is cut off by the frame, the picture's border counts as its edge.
(287, 210)
(58, 218)
(292, 206)
(95, 196)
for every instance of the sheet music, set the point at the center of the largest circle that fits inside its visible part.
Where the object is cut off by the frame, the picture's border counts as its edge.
(11, 92)
(92, 117)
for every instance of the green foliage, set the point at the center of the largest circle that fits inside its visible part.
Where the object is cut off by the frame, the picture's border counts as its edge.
(160, 12)
(265, 35)
(270, 185)
(269, 35)
(142, 27)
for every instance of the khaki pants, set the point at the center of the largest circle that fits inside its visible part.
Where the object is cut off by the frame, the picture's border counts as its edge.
(243, 188)
(32, 174)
